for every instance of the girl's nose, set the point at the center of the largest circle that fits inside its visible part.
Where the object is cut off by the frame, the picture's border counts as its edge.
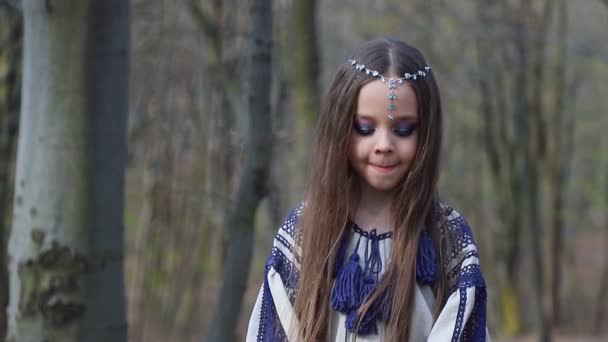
(384, 143)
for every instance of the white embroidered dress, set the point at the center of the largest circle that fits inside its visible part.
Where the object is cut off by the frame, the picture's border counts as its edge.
(462, 318)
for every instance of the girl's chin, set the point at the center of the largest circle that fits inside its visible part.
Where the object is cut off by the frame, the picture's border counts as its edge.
(381, 186)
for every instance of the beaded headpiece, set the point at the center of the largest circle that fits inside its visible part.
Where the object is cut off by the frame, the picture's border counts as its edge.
(392, 82)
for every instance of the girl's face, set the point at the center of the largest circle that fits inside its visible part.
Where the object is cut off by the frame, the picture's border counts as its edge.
(381, 150)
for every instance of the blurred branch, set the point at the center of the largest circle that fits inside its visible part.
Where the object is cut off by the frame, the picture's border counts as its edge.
(208, 24)
(204, 21)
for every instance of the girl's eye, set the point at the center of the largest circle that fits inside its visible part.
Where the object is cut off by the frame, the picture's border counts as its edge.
(404, 130)
(364, 129)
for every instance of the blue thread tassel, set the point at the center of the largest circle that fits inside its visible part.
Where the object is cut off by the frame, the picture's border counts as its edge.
(368, 322)
(426, 264)
(346, 292)
(378, 310)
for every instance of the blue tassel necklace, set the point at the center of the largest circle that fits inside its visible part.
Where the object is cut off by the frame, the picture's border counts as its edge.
(354, 284)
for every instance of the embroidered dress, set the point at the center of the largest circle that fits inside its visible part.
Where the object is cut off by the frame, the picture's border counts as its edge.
(362, 260)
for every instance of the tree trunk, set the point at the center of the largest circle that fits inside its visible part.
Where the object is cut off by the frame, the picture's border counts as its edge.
(526, 115)
(253, 181)
(517, 136)
(501, 148)
(305, 62)
(11, 32)
(602, 294)
(66, 245)
(559, 163)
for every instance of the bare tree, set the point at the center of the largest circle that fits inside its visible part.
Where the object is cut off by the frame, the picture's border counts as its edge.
(532, 148)
(66, 245)
(602, 296)
(501, 149)
(253, 180)
(304, 57)
(560, 143)
(219, 22)
(11, 37)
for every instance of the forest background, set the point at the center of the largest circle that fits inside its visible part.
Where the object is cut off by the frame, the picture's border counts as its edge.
(523, 85)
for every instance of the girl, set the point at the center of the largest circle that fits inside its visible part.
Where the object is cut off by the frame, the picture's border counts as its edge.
(373, 254)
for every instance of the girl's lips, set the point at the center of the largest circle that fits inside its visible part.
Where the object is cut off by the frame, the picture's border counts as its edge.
(383, 169)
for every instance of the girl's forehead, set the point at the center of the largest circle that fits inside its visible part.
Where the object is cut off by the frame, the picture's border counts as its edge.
(375, 98)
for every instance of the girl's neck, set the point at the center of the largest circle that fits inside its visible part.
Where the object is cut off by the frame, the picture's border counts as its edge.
(373, 210)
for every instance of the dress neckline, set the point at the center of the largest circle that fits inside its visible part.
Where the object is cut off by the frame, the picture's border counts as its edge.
(369, 234)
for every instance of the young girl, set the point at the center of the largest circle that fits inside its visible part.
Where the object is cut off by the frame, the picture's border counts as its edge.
(373, 254)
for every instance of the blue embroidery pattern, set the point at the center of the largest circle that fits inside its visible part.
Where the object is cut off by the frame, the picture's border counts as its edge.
(474, 330)
(468, 276)
(270, 328)
(290, 223)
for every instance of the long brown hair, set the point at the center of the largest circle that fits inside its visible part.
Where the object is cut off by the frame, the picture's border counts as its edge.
(331, 192)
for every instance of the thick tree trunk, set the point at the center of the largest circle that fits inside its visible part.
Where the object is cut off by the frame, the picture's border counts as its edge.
(107, 71)
(11, 32)
(253, 181)
(66, 247)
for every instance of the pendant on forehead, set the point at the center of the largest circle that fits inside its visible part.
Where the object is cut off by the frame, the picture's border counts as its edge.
(392, 83)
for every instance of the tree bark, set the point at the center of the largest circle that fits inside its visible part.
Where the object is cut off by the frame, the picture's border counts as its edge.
(11, 34)
(66, 245)
(253, 180)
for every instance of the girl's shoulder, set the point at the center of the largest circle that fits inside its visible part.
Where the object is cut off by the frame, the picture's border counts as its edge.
(286, 244)
(453, 224)
(461, 258)
(289, 227)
